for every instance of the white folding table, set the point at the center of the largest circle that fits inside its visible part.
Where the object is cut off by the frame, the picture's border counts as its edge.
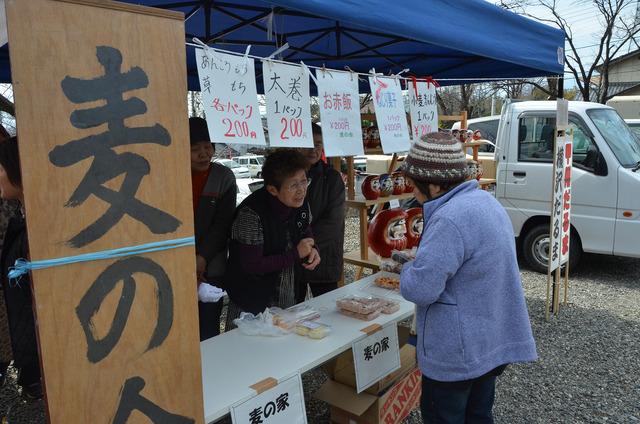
(232, 361)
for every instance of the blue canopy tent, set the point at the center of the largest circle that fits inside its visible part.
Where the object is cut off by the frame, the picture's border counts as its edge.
(465, 39)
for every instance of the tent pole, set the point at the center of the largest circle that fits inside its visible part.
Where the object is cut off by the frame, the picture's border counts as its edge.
(561, 87)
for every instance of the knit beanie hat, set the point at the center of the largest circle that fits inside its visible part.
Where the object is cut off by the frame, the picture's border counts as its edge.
(437, 159)
(198, 131)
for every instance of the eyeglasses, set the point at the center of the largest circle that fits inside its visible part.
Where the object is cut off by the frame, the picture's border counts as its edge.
(301, 185)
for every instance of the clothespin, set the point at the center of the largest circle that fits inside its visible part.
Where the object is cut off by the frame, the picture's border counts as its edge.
(353, 73)
(202, 44)
(246, 60)
(309, 73)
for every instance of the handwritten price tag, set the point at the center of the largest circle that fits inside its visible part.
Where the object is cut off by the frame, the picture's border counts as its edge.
(228, 86)
(286, 89)
(390, 114)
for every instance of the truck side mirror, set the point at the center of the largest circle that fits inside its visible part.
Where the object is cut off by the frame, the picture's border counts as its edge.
(600, 167)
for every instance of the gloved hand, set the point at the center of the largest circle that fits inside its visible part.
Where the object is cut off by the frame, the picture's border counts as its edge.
(208, 293)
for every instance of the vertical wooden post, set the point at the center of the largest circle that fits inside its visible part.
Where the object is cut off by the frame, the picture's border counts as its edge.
(351, 179)
(104, 148)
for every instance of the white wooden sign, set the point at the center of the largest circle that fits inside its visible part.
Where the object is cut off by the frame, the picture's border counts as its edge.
(376, 356)
(390, 114)
(339, 102)
(282, 404)
(228, 87)
(423, 107)
(561, 189)
(286, 89)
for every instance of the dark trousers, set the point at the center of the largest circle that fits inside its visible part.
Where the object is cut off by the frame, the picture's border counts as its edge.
(209, 319)
(318, 289)
(459, 402)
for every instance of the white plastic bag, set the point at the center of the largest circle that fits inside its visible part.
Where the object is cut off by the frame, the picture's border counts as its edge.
(258, 325)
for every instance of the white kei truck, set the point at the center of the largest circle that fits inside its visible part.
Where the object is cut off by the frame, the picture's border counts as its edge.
(605, 208)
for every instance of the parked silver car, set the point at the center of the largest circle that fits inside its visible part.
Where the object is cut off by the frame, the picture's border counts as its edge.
(238, 171)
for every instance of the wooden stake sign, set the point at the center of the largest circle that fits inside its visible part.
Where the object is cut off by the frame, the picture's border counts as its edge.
(104, 146)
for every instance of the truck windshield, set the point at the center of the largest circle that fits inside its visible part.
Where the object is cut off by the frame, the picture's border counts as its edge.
(619, 137)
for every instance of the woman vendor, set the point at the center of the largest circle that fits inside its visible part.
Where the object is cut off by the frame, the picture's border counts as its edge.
(270, 235)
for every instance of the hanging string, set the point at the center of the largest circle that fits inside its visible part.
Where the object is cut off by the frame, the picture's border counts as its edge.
(22, 266)
(367, 74)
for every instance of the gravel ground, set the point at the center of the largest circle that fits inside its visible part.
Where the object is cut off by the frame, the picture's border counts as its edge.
(589, 366)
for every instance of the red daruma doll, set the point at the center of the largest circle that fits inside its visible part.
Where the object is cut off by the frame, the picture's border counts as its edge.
(398, 182)
(371, 187)
(415, 222)
(387, 232)
(386, 185)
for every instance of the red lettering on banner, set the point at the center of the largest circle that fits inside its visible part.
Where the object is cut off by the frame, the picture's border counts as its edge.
(568, 150)
(567, 199)
(567, 176)
(565, 222)
(565, 244)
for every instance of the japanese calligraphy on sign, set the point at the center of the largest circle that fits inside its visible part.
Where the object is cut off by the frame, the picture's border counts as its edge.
(376, 356)
(115, 177)
(339, 102)
(561, 207)
(282, 404)
(561, 203)
(390, 114)
(286, 90)
(423, 107)
(229, 94)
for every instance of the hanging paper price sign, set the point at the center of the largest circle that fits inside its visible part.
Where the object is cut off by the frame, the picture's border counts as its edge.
(228, 86)
(339, 103)
(286, 89)
(423, 107)
(390, 114)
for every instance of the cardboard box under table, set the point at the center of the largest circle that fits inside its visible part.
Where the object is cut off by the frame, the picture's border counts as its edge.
(388, 401)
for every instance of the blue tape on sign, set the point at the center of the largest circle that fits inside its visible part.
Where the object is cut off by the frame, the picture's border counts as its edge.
(22, 266)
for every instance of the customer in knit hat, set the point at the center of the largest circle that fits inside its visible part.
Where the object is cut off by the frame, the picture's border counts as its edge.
(437, 161)
(471, 312)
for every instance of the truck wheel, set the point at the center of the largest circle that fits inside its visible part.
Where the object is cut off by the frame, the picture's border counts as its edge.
(535, 249)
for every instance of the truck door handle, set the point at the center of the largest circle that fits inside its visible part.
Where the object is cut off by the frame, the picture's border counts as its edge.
(519, 174)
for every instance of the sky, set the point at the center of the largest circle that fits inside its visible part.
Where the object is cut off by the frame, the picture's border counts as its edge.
(586, 25)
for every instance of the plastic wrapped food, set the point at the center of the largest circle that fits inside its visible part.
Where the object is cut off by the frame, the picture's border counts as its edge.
(390, 265)
(312, 329)
(390, 307)
(364, 317)
(391, 283)
(359, 305)
(288, 318)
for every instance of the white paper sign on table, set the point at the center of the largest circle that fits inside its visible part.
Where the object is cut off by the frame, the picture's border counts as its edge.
(286, 89)
(390, 114)
(423, 107)
(376, 356)
(228, 87)
(339, 102)
(282, 404)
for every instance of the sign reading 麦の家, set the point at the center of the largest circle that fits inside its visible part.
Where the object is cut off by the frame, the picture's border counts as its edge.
(390, 114)
(228, 87)
(423, 107)
(339, 103)
(118, 337)
(286, 90)
(376, 356)
(282, 404)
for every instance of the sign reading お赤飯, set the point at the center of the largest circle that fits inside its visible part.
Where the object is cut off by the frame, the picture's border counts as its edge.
(286, 89)
(228, 87)
(114, 334)
(390, 114)
(339, 103)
